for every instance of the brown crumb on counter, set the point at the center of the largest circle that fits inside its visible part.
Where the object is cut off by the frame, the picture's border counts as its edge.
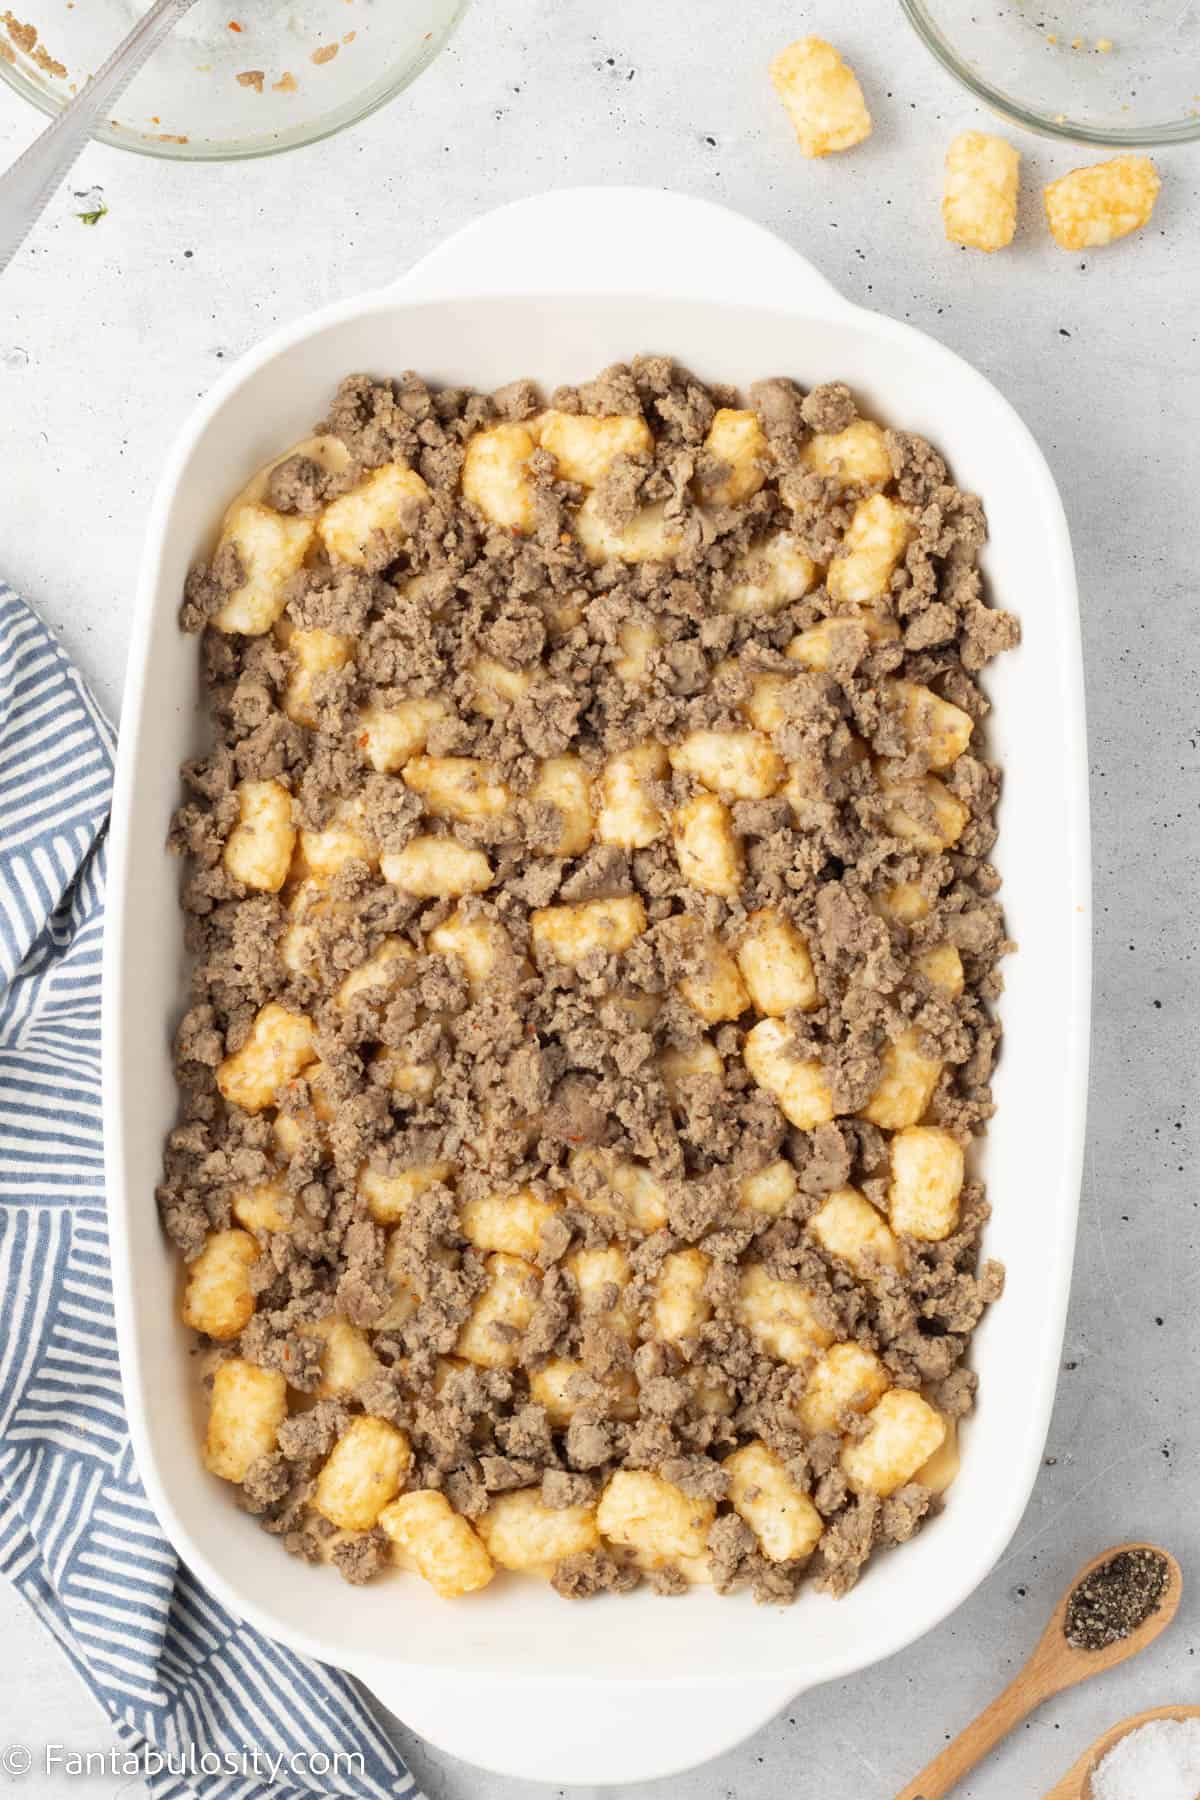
(252, 78)
(325, 54)
(287, 83)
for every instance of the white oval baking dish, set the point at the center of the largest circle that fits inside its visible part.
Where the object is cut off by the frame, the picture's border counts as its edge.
(514, 1679)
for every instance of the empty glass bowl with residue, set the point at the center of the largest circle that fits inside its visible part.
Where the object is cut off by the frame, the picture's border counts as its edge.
(236, 78)
(1091, 71)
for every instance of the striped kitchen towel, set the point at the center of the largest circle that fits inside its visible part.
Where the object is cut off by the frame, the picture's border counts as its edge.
(199, 1703)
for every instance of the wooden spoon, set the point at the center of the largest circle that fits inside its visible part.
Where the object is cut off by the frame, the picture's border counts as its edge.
(1077, 1783)
(1054, 1665)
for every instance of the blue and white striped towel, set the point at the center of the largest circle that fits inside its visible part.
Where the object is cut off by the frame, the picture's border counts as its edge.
(174, 1672)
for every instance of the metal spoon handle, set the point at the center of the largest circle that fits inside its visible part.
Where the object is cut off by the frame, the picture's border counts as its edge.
(26, 188)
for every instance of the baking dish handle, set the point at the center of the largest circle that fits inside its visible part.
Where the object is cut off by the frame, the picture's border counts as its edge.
(576, 1734)
(621, 241)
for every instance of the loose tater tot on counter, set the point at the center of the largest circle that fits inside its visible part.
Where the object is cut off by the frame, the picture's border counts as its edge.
(821, 94)
(1094, 206)
(979, 201)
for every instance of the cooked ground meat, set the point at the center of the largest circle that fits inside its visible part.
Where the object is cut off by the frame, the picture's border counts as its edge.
(609, 1092)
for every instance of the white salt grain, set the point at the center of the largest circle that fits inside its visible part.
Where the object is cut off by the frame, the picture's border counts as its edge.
(1158, 1761)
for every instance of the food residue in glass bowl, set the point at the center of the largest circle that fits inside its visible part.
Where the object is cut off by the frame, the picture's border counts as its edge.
(25, 39)
(202, 85)
(22, 37)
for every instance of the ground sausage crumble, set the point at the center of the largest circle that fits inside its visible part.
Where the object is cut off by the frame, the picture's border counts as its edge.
(499, 1174)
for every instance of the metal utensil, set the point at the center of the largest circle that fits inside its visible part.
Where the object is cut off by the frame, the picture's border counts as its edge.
(26, 188)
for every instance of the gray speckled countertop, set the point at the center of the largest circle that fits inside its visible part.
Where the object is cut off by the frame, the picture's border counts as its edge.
(107, 335)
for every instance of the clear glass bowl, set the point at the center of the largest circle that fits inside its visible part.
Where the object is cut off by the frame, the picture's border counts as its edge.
(1091, 71)
(236, 78)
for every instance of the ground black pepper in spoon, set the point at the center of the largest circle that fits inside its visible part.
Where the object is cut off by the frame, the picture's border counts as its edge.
(1115, 1598)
